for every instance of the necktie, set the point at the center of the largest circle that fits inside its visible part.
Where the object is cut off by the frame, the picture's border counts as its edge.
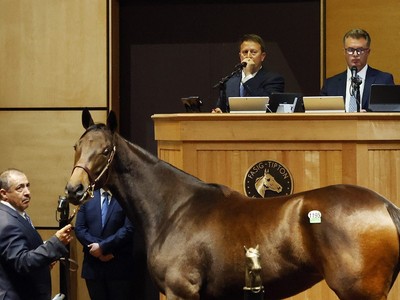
(28, 219)
(352, 104)
(104, 208)
(353, 100)
(242, 90)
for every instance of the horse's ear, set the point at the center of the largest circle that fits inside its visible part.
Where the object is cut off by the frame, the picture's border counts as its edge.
(87, 120)
(112, 122)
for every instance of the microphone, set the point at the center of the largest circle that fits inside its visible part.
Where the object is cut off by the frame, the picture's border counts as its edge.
(241, 65)
(354, 78)
(353, 72)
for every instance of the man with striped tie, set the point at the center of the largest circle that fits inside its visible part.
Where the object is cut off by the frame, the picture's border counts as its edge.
(356, 47)
(106, 234)
(25, 260)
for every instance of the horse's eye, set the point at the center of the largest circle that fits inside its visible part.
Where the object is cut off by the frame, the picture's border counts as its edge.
(74, 147)
(106, 151)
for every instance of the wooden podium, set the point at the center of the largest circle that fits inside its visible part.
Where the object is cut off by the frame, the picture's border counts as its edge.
(317, 149)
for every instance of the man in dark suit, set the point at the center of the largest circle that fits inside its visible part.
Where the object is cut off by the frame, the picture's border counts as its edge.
(356, 51)
(107, 246)
(252, 79)
(25, 261)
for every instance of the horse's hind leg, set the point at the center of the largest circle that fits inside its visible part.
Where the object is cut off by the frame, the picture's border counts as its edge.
(364, 265)
(364, 285)
(362, 296)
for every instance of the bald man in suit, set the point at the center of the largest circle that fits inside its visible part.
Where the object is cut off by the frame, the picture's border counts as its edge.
(25, 260)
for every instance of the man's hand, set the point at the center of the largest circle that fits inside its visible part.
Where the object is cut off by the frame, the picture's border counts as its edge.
(64, 234)
(95, 250)
(216, 110)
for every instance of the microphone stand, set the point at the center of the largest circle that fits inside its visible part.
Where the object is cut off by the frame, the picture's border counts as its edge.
(63, 209)
(222, 86)
(356, 82)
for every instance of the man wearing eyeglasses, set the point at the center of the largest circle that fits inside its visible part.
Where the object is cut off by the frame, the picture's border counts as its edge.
(356, 44)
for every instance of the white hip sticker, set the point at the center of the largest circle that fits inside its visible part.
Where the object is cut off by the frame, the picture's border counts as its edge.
(315, 216)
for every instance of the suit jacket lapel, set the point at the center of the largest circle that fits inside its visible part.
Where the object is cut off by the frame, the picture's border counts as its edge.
(31, 233)
(342, 85)
(369, 79)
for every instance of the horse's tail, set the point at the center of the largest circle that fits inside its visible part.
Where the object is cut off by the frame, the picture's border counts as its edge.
(394, 213)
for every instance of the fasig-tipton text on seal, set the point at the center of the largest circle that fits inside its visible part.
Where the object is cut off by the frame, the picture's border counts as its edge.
(268, 178)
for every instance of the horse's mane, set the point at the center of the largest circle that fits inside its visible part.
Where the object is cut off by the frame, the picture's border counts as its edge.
(148, 156)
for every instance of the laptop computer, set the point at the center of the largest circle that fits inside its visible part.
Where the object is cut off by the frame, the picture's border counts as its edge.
(285, 98)
(324, 104)
(384, 98)
(248, 104)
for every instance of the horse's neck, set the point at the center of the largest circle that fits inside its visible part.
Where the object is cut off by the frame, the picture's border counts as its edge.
(259, 186)
(149, 188)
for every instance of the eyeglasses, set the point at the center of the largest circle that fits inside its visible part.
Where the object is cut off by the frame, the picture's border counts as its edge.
(357, 51)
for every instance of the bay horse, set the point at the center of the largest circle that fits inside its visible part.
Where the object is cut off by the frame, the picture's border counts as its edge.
(195, 231)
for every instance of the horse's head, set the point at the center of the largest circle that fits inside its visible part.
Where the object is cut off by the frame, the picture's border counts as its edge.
(94, 152)
(267, 182)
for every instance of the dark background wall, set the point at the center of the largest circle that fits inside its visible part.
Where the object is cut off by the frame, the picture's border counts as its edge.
(183, 48)
(175, 49)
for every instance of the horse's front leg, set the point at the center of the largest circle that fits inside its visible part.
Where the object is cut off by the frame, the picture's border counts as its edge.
(172, 296)
(182, 284)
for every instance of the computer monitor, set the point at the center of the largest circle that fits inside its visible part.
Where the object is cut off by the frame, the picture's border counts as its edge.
(384, 98)
(285, 98)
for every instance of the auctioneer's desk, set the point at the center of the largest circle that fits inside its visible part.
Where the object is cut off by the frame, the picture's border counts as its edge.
(317, 149)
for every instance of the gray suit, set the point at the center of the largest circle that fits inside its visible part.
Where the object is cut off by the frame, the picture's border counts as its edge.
(24, 258)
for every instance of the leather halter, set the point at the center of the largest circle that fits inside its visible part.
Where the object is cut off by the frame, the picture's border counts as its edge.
(92, 182)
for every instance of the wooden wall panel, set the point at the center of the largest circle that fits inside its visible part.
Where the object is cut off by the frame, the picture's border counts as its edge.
(311, 168)
(55, 58)
(53, 53)
(40, 143)
(384, 171)
(172, 153)
(379, 18)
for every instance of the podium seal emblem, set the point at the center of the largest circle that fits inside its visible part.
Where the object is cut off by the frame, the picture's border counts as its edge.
(268, 178)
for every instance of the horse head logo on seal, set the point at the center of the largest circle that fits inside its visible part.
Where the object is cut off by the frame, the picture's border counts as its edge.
(267, 179)
(267, 182)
